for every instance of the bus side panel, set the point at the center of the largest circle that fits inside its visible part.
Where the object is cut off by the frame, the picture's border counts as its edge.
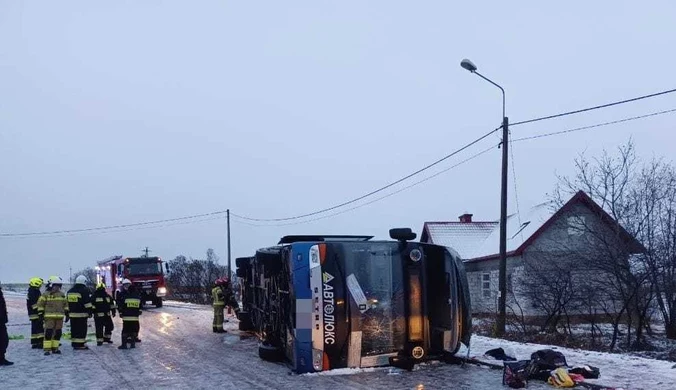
(300, 274)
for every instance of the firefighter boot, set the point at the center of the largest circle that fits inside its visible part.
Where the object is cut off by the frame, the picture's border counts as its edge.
(124, 345)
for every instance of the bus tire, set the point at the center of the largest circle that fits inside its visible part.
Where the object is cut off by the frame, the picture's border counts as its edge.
(158, 302)
(245, 323)
(269, 353)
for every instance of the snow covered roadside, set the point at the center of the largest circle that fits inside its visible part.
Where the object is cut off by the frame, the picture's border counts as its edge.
(619, 370)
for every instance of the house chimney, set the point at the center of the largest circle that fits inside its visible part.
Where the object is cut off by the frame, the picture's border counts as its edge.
(466, 218)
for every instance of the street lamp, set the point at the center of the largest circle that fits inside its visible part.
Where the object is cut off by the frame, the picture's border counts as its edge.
(500, 323)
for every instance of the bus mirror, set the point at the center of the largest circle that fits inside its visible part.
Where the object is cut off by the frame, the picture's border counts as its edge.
(166, 266)
(402, 234)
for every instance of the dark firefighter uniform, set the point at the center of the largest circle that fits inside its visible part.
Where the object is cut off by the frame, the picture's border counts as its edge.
(52, 307)
(222, 295)
(104, 307)
(37, 328)
(129, 307)
(4, 337)
(80, 309)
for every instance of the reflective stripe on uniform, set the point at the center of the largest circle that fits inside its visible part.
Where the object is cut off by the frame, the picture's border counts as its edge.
(132, 302)
(131, 319)
(88, 305)
(74, 340)
(219, 303)
(35, 306)
(99, 299)
(33, 317)
(79, 315)
(102, 314)
(53, 315)
(37, 336)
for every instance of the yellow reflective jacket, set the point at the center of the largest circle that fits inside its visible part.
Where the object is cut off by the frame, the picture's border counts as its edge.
(53, 304)
(217, 296)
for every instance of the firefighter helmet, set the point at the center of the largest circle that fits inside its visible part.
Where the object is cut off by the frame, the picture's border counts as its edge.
(55, 280)
(35, 282)
(81, 279)
(126, 281)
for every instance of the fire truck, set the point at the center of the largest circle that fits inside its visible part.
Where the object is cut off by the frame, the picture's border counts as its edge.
(145, 273)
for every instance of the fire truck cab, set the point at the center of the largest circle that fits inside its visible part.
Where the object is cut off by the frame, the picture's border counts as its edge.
(145, 273)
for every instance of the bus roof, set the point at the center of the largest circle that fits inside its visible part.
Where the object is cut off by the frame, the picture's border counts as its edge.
(312, 238)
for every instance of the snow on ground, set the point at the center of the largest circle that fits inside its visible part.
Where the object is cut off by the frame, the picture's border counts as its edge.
(179, 351)
(619, 370)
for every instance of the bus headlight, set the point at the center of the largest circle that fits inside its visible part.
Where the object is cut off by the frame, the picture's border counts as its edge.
(162, 291)
(416, 255)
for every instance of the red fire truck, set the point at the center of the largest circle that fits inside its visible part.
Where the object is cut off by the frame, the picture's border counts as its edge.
(145, 273)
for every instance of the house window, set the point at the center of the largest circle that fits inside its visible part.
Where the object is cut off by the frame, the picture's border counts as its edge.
(486, 285)
(576, 225)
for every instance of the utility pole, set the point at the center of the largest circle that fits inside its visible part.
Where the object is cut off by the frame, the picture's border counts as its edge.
(502, 282)
(502, 278)
(229, 264)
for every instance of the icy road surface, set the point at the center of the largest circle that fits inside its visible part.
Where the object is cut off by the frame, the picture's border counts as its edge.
(179, 351)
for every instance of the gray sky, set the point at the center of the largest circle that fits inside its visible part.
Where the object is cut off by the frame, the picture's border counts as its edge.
(125, 111)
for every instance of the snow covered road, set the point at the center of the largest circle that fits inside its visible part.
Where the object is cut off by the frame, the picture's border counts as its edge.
(179, 351)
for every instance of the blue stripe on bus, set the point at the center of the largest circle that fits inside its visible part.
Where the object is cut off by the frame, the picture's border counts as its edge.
(303, 294)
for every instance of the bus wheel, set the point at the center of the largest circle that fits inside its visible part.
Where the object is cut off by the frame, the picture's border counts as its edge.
(269, 353)
(158, 302)
(245, 323)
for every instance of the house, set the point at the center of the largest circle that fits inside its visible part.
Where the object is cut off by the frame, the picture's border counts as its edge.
(542, 234)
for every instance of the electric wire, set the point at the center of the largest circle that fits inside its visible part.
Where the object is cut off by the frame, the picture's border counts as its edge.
(357, 199)
(633, 118)
(157, 223)
(593, 108)
(376, 199)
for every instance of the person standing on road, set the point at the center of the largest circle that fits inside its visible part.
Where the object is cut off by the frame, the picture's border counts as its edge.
(37, 329)
(52, 307)
(218, 303)
(4, 337)
(104, 306)
(80, 309)
(129, 307)
(223, 296)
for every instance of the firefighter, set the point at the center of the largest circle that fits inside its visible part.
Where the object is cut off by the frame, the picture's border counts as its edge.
(4, 336)
(218, 303)
(129, 307)
(104, 307)
(52, 307)
(80, 309)
(223, 296)
(37, 329)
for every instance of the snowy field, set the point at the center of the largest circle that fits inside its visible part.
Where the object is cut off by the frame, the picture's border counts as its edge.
(179, 351)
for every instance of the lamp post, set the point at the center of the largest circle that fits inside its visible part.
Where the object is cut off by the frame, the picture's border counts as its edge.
(502, 283)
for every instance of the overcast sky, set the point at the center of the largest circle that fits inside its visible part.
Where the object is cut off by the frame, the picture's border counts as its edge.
(127, 111)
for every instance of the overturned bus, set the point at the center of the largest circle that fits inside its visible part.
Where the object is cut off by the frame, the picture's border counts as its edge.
(327, 302)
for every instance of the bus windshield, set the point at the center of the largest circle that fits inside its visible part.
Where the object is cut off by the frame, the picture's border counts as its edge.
(374, 278)
(137, 269)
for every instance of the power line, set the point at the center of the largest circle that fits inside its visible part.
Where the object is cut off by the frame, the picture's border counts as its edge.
(104, 228)
(594, 108)
(379, 198)
(190, 218)
(354, 200)
(596, 125)
(87, 233)
(516, 189)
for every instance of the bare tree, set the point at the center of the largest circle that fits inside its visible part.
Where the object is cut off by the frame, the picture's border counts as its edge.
(634, 196)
